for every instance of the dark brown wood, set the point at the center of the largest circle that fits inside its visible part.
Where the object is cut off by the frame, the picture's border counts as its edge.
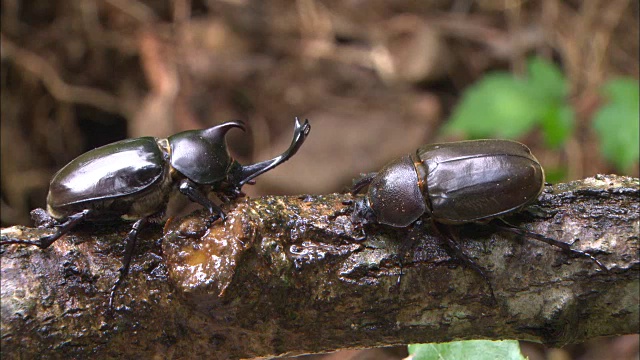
(290, 275)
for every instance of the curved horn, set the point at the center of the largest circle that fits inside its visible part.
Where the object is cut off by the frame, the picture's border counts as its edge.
(219, 131)
(248, 172)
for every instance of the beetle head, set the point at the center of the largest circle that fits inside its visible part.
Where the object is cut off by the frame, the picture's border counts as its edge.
(362, 212)
(202, 155)
(394, 194)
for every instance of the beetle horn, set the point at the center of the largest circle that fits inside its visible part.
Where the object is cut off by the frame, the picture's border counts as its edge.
(248, 172)
(219, 131)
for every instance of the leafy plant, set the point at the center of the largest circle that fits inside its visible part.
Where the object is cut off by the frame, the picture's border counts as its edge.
(618, 123)
(506, 106)
(503, 105)
(471, 349)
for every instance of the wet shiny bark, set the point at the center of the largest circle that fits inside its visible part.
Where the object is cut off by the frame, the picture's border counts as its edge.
(291, 275)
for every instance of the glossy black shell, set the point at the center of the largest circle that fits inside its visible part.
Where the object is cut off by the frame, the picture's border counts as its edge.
(456, 183)
(119, 169)
(201, 155)
(474, 180)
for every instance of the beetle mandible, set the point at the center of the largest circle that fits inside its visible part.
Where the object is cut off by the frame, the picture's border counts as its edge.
(133, 179)
(456, 183)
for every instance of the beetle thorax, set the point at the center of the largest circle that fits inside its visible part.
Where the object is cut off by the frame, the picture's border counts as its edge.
(395, 194)
(200, 156)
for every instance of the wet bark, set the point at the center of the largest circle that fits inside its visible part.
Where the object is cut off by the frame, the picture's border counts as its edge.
(292, 275)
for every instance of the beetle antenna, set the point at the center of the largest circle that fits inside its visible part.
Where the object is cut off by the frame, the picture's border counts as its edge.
(246, 173)
(363, 181)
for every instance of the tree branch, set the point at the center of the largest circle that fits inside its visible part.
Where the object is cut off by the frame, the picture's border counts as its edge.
(288, 275)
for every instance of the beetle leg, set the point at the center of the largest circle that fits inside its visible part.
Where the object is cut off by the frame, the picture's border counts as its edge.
(405, 246)
(455, 247)
(190, 190)
(46, 241)
(130, 242)
(553, 242)
(229, 194)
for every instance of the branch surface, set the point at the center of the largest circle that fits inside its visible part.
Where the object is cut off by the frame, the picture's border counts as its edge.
(290, 275)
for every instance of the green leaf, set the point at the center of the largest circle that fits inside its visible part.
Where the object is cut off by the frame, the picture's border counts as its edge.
(555, 174)
(498, 105)
(546, 80)
(502, 105)
(622, 91)
(558, 124)
(617, 123)
(472, 349)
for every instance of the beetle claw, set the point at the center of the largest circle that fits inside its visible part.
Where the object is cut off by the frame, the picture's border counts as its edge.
(212, 219)
(203, 230)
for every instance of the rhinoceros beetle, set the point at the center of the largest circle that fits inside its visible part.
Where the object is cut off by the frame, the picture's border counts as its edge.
(455, 183)
(133, 179)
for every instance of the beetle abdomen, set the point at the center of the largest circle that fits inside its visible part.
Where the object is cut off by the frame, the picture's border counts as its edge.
(108, 172)
(474, 180)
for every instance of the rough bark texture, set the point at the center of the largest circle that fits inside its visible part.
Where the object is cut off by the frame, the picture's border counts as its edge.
(288, 275)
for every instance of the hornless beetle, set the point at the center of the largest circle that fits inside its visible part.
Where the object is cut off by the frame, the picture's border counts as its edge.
(133, 179)
(455, 183)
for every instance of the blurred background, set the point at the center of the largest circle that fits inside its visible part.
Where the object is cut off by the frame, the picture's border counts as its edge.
(376, 79)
